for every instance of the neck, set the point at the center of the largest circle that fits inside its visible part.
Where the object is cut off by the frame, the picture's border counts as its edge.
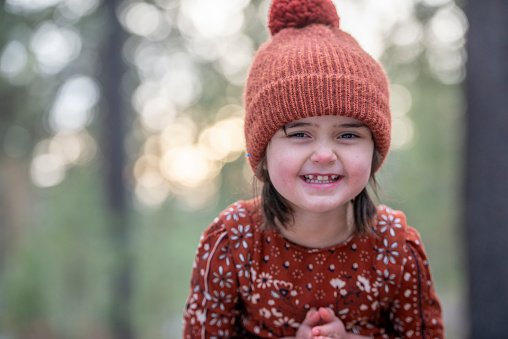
(321, 230)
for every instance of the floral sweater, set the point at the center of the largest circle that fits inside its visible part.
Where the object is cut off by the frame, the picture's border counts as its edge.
(249, 282)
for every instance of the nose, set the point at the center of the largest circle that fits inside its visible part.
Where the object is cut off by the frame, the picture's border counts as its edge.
(323, 155)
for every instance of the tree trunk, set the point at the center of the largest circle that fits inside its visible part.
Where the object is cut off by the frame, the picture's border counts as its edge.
(114, 123)
(486, 179)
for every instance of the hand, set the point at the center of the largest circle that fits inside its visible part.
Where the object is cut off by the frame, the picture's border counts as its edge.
(321, 324)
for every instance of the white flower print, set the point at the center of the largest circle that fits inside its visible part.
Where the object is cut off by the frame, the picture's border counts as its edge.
(223, 279)
(191, 307)
(264, 312)
(221, 298)
(274, 270)
(385, 279)
(298, 256)
(216, 319)
(235, 212)
(319, 277)
(223, 334)
(363, 284)
(255, 298)
(388, 223)
(283, 288)
(245, 291)
(224, 255)
(364, 256)
(388, 253)
(240, 234)
(243, 267)
(337, 283)
(342, 257)
(297, 274)
(274, 252)
(205, 255)
(320, 259)
(320, 294)
(201, 316)
(286, 322)
(264, 280)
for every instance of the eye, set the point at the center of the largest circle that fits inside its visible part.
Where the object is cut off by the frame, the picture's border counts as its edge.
(348, 136)
(297, 135)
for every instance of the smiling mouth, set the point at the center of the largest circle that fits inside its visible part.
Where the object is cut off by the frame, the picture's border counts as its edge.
(320, 179)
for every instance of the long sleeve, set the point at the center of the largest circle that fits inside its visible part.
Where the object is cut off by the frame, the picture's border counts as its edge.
(249, 282)
(415, 310)
(210, 309)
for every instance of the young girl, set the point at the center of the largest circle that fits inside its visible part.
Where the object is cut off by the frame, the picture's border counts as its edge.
(313, 257)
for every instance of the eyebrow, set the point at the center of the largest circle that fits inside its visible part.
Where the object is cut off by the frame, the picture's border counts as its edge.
(296, 124)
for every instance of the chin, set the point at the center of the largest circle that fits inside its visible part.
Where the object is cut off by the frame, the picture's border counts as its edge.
(326, 207)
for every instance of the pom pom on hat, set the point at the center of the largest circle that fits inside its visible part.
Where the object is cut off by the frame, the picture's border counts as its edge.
(301, 13)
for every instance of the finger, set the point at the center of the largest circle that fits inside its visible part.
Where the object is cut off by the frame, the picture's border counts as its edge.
(332, 330)
(332, 326)
(327, 314)
(312, 318)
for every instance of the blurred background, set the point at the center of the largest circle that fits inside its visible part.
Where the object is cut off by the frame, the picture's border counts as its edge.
(121, 139)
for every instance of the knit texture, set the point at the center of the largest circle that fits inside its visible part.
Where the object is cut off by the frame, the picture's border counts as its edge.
(291, 13)
(312, 68)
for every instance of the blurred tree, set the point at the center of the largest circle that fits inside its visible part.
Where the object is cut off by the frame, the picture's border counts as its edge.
(115, 123)
(486, 185)
(16, 137)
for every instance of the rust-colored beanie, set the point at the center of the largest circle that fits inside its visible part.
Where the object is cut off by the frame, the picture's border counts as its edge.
(310, 68)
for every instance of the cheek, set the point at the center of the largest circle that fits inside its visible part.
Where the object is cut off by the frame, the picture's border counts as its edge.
(282, 171)
(280, 162)
(361, 167)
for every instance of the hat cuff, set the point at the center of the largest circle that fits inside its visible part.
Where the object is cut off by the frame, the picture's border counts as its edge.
(301, 96)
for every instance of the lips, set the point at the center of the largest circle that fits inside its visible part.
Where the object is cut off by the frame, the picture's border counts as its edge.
(320, 179)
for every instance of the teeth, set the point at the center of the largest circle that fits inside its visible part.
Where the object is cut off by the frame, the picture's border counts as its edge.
(320, 179)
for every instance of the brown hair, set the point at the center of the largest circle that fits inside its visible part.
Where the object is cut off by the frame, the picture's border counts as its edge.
(275, 207)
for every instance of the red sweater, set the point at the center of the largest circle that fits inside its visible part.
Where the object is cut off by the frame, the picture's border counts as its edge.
(249, 282)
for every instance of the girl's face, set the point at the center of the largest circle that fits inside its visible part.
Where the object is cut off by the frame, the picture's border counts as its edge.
(319, 164)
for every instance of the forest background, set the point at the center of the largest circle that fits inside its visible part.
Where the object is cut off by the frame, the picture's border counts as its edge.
(121, 139)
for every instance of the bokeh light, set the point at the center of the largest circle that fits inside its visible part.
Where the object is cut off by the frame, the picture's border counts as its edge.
(54, 47)
(403, 129)
(47, 170)
(370, 21)
(446, 40)
(13, 58)
(188, 166)
(187, 163)
(146, 20)
(73, 106)
(212, 19)
(74, 9)
(53, 157)
(30, 5)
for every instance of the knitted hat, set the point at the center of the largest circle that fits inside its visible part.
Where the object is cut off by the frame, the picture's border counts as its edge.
(312, 68)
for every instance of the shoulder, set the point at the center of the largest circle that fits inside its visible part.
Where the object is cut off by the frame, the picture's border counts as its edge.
(396, 237)
(393, 223)
(239, 217)
(241, 211)
(230, 232)
(404, 272)
(397, 242)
